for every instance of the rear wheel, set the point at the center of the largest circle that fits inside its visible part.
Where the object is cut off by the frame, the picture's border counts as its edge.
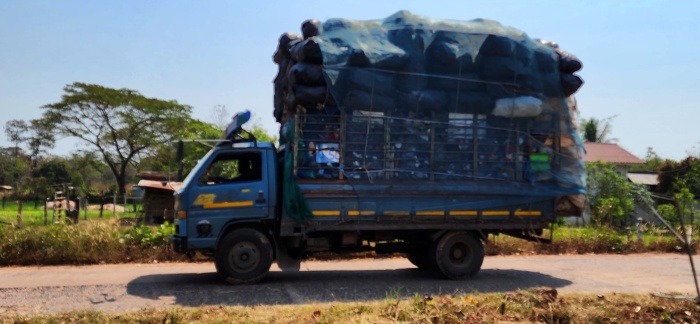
(458, 255)
(244, 256)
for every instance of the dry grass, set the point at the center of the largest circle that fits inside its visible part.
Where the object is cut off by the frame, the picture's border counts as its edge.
(540, 305)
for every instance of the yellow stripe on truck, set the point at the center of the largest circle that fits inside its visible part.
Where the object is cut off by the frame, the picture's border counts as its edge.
(228, 204)
(326, 212)
(430, 213)
(528, 213)
(463, 213)
(396, 213)
(361, 213)
(496, 213)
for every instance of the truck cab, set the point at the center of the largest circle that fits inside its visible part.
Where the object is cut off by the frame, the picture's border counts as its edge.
(228, 196)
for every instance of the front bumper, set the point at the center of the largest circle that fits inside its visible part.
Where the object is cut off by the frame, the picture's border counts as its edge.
(178, 243)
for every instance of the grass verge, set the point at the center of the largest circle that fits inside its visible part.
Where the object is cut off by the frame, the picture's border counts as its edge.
(85, 243)
(542, 305)
(108, 241)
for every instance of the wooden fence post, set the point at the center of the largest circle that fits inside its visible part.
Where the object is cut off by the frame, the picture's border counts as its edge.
(46, 212)
(102, 205)
(19, 214)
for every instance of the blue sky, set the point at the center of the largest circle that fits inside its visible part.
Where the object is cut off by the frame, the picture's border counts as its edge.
(641, 58)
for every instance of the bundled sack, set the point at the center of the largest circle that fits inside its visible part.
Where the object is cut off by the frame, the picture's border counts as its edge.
(312, 96)
(423, 102)
(456, 82)
(570, 83)
(307, 51)
(467, 102)
(306, 74)
(518, 107)
(370, 80)
(286, 41)
(450, 53)
(361, 100)
(495, 45)
(568, 63)
(283, 58)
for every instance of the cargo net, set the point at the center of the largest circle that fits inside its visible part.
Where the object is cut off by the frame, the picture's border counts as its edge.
(415, 98)
(368, 146)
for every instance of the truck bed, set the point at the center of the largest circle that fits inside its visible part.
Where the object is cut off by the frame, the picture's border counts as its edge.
(422, 205)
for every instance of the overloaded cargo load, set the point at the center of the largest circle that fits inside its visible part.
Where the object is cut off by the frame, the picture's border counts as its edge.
(411, 98)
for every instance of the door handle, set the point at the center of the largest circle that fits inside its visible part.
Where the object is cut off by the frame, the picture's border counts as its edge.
(261, 198)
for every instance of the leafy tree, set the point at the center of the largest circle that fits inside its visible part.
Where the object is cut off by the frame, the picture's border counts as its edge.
(48, 176)
(15, 130)
(597, 130)
(669, 213)
(652, 162)
(261, 134)
(89, 173)
(611, 196)
(16, 172)
(198, 138)
(673, 176)
(120, 125)
(685, 201)
(220, 117)
(6, 156)
(40, 139)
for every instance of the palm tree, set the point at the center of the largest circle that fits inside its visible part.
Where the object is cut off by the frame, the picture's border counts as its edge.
(597, 130)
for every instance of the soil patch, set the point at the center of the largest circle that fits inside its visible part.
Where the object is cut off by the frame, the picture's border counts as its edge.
(107, 207)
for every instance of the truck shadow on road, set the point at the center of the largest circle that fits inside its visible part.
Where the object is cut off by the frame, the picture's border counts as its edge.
(328, 286)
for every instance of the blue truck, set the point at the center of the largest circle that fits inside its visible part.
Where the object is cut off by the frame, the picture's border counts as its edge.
(406, 135)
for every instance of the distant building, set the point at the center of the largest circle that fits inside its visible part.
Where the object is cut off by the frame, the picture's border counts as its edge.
(620, 158)
(611, 153)
(158, 200)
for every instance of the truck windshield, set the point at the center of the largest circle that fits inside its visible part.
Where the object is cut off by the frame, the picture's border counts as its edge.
(200, 164)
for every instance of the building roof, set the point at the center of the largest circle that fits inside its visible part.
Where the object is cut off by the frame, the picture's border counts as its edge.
(610, 153)
(648, 179)
(171, 186)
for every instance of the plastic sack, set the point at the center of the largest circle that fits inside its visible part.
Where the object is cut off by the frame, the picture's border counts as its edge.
(312, 96)
(570, 83)
(306, 74)
(568, 63)
(307, 51)
(518, 107)
(284, 43)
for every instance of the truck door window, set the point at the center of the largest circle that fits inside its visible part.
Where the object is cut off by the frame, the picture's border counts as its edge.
(233, 168)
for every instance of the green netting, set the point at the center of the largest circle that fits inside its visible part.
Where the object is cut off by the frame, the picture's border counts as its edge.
(293, 199)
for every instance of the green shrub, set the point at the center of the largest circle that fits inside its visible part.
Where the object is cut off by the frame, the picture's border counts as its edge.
(85, 243)
(145, 237)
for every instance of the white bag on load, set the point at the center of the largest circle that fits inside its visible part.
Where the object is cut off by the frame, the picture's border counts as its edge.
(525, 106)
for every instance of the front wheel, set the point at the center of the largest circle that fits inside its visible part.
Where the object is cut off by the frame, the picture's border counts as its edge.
(458, 255)
(244, 256)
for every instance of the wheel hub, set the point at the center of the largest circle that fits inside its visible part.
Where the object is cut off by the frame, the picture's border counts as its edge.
(458, 253)
(244, 256)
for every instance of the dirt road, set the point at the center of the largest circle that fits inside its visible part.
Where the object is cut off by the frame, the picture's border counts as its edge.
(121, 288)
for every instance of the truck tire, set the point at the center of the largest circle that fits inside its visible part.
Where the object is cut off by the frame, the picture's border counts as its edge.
(458, 255)
(244, 256)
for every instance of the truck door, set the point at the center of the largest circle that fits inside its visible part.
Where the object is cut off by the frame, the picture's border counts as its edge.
(232, 186)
